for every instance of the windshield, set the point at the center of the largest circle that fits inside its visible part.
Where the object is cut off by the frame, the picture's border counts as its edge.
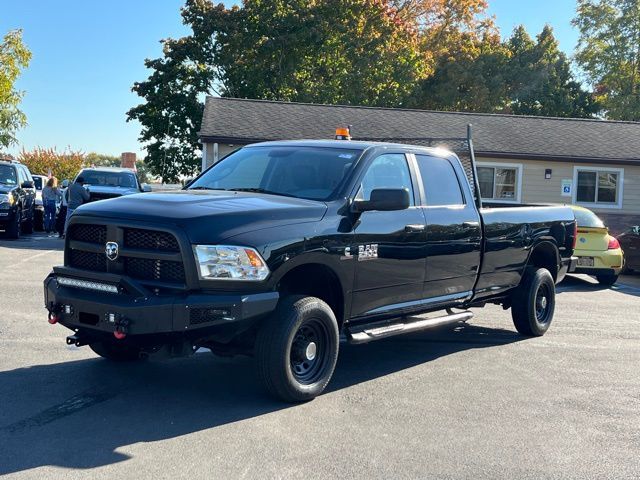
(587, 219)
(313, 173)
(109, 179)
(8, 175)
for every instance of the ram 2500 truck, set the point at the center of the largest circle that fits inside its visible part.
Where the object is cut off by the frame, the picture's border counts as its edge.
(282, 247)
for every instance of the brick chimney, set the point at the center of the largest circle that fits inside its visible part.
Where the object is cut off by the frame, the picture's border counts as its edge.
(128, 160)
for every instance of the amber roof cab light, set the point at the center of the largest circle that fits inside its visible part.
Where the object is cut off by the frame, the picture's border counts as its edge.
(343, 133)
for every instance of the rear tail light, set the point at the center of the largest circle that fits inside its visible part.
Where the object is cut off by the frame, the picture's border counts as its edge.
(613, 243)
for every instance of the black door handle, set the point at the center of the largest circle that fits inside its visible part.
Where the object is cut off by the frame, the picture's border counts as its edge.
(414, 228)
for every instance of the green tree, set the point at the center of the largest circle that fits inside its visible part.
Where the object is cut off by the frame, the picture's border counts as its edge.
(540, 81)
(14, 57)
(609, 52)
(351, 51)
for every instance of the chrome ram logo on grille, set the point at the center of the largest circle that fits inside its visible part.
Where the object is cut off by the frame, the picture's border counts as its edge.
(111, 250)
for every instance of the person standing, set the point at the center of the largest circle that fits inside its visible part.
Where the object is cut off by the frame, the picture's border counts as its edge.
(76, 196)
(49, 197)
(62, 214)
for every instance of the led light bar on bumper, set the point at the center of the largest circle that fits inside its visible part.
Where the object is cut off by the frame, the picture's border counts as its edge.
(228, 262)
(87, 285)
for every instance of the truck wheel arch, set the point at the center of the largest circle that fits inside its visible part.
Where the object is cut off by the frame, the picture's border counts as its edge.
(315, 280)
(545, 254)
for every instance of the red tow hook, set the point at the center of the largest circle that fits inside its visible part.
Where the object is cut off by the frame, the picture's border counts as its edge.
(122, 327)
(53, 318)
(119, 335)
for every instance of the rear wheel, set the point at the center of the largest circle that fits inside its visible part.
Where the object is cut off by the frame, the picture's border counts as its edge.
(297, 349)
(607, 279)
(116, 352)
(534, 302)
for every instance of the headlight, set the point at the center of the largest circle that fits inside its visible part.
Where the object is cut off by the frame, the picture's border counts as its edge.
(228, 262)
(5, 198)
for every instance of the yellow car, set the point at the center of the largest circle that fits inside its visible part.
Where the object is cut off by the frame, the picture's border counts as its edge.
(599, 254)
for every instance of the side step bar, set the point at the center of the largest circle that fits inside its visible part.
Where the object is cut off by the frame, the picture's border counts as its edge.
(368, 333)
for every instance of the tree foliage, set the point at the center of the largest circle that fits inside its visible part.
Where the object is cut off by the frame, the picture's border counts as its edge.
(609, 52)
(44, 161)
(14, 57)
(438, 54)
(520, 76)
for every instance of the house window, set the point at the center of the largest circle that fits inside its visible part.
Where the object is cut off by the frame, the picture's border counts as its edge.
(599, 187)
(499, 182)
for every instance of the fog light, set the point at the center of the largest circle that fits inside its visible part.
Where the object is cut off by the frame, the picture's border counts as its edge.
(68, 310)
(111, 317)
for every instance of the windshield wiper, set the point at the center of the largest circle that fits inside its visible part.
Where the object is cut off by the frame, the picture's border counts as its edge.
(202, 187)
(260, 190)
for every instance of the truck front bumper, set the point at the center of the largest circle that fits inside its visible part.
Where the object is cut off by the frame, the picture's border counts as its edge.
(106, 303)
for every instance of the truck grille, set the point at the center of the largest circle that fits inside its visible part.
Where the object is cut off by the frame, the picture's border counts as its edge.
(88, 233)
(88, 261)
(145, 255)
(150, 240)
(149, 269)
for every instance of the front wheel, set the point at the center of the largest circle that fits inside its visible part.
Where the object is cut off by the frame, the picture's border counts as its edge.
(13, 230)
(116, 352)
(534, 302)
(297, 349)
(607, 279)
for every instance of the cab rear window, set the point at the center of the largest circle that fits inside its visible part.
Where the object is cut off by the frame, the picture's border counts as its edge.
(587, 219)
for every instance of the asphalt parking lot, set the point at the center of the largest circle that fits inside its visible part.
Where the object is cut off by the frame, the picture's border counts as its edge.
(477, 401)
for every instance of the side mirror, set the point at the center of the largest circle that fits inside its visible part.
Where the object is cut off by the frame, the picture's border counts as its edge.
(28, 184)
(146, 187)
(384, 200)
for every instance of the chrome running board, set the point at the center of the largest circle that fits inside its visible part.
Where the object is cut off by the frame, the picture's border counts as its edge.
(377, 331)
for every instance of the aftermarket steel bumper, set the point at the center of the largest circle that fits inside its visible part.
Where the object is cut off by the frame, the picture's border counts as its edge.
(107, 303)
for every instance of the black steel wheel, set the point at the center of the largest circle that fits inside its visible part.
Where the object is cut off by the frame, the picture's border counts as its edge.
(533, 303)
(297, 349)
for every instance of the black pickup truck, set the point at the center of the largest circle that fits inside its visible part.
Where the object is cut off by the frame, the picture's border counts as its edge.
(281, 247)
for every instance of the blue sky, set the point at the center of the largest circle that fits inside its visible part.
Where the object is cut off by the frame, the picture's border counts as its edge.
(88, 54)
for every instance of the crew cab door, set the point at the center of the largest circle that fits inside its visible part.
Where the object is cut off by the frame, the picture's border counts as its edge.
(388, 246)
(453, 233)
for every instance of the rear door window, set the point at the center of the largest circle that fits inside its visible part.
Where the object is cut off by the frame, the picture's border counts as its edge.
(440, 182)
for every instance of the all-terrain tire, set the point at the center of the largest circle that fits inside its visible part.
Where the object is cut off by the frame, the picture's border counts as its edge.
(534, 302)
(297, 348)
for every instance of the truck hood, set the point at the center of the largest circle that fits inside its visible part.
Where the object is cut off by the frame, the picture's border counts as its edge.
(6, 188)
(208, 216)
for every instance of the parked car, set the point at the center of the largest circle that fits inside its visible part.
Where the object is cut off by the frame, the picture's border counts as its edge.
(630, 243)
(111, 182)
(599, 254)
(39, 181)
(17, 198)
(282, 246)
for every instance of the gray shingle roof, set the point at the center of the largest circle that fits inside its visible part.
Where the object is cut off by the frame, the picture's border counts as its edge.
(240, 121)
